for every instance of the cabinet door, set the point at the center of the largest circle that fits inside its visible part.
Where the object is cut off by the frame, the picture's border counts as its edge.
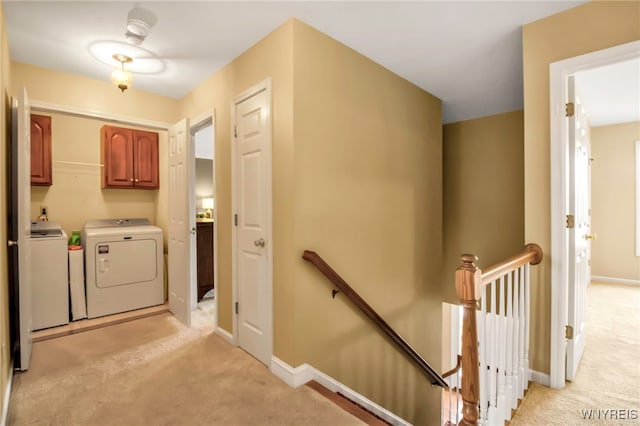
(41, 150)
(117, 157)
(204, 247)
(145, 157)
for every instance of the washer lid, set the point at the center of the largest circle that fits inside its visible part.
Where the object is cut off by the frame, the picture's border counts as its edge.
(108, 223)
(42, 229)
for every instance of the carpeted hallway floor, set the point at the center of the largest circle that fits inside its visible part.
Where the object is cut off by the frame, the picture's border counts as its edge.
(608, 377)
(155, 371)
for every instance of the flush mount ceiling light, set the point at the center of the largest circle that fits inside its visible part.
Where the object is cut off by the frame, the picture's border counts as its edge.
(121, 77)
(139, 23)
(145, 61)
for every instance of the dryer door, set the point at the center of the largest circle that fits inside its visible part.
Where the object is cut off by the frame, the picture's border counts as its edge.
(125, 262)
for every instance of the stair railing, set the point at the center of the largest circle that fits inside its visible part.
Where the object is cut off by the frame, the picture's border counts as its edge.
(451, 396)
(327, 271)
(495, 339)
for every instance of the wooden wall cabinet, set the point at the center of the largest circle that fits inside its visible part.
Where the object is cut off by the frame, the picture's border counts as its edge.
(41, 150)
(129, 158)
(204, 250)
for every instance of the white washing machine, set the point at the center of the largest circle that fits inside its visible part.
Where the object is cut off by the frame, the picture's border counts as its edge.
(123, 265)
(49, 276)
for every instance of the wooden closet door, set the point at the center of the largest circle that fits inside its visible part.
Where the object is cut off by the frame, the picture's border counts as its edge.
(117, 150)
(145, 157)
(41, 150)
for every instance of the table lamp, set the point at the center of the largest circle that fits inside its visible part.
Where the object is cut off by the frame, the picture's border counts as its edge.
(207, 203)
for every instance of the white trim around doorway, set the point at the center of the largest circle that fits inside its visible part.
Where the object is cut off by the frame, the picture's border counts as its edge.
(198, 123)
(558, 74)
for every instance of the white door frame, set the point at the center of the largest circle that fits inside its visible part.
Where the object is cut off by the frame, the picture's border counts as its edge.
(266, 86)
(558, 74)
(198, 123)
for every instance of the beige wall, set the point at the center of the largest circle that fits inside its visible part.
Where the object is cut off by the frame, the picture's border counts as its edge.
(72, 90)
(587, 28)
(483, 191)
(269, 58)
(613, 208)
(76, 193)
(362, 186)
(368, 198)
(5, 111)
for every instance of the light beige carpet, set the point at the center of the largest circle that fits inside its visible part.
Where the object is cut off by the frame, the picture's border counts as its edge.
(608, 377)
(155, 371)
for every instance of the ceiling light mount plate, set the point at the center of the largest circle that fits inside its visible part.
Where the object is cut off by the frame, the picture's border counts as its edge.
(123, 59)
(133, 39)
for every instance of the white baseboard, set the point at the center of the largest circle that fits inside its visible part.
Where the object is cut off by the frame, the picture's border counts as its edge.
(225, 335)
(7, 397)
(300, 375)
(615, 280)
(294, 377)
(538, 377)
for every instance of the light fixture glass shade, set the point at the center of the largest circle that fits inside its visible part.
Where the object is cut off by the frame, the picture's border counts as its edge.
(207, 203)
(121, 78)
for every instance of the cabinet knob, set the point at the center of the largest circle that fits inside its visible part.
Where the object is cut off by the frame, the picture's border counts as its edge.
(137, 180)
(130, 179)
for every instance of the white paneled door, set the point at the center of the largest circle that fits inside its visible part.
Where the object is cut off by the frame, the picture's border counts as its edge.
(20, 227)
(252, 201)
(181, 220)
(580, 234)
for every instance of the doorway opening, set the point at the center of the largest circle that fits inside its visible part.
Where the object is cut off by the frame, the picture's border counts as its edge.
(562, 306)
(203, 258)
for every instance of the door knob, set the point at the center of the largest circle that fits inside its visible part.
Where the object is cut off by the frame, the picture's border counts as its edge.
(12, 243)
(260, 242)
(591, 237)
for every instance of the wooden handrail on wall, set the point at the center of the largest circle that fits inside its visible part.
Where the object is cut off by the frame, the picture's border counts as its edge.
(470, 282)
(327, 271)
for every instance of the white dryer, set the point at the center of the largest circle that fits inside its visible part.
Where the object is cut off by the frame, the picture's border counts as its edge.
(123, 265)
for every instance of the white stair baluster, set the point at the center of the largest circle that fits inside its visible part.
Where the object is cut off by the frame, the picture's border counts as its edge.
(450, 403)
(482, 355)
(527, 304)
(515, 342)
(508, 347)
(458, 396)
(501, 344)
(492, 355)
(522, 379)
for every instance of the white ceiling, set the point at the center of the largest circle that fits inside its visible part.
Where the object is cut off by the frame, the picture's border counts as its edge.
(469, 54)
(610, 94)
(204, 143)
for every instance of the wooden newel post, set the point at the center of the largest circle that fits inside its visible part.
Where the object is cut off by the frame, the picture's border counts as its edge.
(468, 283)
